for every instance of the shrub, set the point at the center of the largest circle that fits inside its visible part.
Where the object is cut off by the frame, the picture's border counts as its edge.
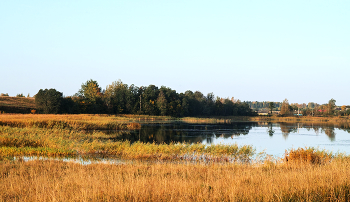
(20, 95)
(307, 155)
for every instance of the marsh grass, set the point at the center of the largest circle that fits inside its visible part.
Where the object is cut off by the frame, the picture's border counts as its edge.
(64, 181)
(76, 122)
(307, 155)
(147, 117)
(44, 141)
(305, 174)
(343, 122)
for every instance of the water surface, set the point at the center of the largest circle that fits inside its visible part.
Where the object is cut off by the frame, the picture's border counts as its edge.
(273, 138)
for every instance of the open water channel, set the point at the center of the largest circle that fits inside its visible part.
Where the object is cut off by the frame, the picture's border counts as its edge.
(273, 138)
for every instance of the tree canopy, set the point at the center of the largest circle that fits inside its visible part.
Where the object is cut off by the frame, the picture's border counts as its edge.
(48, 101)
(120, 98)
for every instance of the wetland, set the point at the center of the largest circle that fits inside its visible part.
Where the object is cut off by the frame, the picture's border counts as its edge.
(141, 158)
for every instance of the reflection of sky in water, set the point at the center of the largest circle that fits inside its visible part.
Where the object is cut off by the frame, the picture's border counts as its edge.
(83, 161)
(274, 139)
(338, 141)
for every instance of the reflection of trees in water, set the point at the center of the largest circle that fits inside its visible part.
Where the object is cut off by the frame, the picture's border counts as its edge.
(330, 133)
(235, 129)
(183, 132)
(328, 129)
(270, 131)
(316, 129)
(287, 128)
(193, 133)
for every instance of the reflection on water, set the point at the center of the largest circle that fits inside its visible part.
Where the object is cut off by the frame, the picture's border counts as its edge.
(271, 131)
(274, 138)
(184, 132)
(84, 161)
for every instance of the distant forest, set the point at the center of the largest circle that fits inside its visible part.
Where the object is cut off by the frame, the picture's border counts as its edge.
(120, 98)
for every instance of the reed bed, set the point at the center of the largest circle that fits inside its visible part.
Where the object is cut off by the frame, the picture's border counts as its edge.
(206, 120)
(336, 121)
(76, 122)
(147, 117)
(73, 142)
(343, 122)
(308, 155)
(50, 180)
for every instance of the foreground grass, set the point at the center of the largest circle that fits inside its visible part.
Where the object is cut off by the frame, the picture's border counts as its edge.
(63, 181)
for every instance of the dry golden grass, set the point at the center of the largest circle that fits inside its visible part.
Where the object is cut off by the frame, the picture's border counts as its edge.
(147, 117)
(77, 122)
(343, 122)
(307, 155)
(335, 121)
(64, 181)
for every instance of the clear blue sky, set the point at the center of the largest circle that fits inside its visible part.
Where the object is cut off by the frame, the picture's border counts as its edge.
(251, 50)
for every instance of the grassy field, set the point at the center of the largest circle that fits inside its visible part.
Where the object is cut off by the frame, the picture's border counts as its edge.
(270, 181)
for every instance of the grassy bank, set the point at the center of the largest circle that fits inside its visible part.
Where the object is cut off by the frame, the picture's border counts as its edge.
(63, 181)
(20, 105)
(76, 122)
(330, 119)
(336, 121)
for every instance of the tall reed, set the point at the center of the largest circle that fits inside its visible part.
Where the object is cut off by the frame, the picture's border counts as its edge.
(63, 181)
(76, 122)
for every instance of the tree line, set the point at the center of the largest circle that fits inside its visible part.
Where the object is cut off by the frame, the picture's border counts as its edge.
(120, 98)
(314, 109)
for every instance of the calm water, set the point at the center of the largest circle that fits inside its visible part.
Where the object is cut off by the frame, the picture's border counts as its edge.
(274, 138)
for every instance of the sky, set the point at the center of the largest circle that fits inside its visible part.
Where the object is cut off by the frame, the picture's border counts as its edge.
(250, 50)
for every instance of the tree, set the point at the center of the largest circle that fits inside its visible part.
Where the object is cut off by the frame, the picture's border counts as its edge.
(90, 90)
(185, 105)
(343, 108)
(48, 101)
(117, 98)
(149, 96)
(162, 103)
(208, 104)
(69, 106)
(91, 98)
(271, 106)
(285, 108)
(331, 106)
